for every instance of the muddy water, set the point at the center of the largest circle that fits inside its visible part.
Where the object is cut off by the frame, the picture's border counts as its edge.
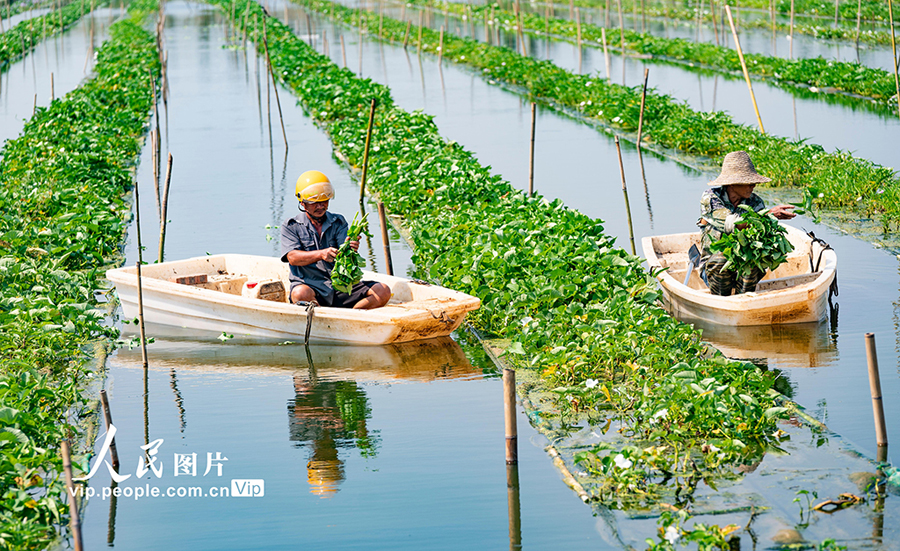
(834, 122)
(26, 81)
(825, 364)
(381, 447)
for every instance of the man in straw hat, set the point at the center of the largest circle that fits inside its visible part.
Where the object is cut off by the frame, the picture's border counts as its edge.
(720, 210)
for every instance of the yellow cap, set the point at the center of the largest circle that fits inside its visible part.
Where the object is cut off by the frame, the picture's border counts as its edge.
(314, 187)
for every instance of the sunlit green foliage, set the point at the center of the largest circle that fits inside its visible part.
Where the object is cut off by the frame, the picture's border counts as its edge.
(575, 307)
(841, 179)
(22, 38)
(818, 73)
(62, 187)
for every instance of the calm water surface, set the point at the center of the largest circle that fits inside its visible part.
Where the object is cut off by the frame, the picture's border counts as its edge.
(370, 448)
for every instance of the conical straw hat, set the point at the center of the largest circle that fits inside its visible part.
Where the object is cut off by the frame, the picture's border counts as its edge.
(737, 168)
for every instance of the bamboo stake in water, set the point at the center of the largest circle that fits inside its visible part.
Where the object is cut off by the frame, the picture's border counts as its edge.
(894, 50)
(791, 35)
(406, 35)
(153, 139)
(74, 518)
(875, 388)
(625, 193)
(531, 151)
(274, 86)
(514, 510)
(389, 264)
(107, 415)
(365, 169)
(309, 29)
(52, 88)
(343, 52)
(606, 55)
(578, 36)
(737, 43)
(836, 5)
(140, 260)
(858, 22)
(712, 11)
(622, 38)
(325, 43)
(641, 116)
(419, 41)
(165, 208)
(509, 416)
(441, 46)
(360, 48)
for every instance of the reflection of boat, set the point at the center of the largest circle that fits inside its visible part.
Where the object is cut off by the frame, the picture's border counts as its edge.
(412, 361)
(786, 345)
(793, 293)
(214, 297)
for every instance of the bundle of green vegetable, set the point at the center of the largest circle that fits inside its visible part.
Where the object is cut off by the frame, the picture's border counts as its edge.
(348, 263)
(760, 245)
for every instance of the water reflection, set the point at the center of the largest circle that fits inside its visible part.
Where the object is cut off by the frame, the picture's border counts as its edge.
(792, 345)
(327, 415)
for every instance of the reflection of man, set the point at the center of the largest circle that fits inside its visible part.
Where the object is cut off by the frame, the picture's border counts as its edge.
(309, 243)
(330, 415)
(720, 208)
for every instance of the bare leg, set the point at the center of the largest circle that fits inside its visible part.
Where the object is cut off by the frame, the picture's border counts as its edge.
(378, 295)
(302, 293)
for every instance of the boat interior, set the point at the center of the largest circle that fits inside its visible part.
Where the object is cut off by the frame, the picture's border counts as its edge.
(798, 269)
(265, 278)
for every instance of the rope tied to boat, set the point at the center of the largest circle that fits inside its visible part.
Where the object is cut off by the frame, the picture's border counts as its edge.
(310, 314)
(443, 318)
(833, 290)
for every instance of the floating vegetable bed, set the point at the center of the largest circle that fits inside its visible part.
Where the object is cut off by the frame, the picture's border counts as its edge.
(579, 311)
(21, 39)
(841, 180)
(811, 73)
(62, 198)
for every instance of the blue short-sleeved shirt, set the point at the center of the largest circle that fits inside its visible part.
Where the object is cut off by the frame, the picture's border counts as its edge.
(299, 234)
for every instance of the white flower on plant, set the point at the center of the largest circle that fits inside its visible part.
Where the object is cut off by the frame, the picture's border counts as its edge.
(713, 448)
(671, 535)
(661, 414)
(621, 462)
(591, 383)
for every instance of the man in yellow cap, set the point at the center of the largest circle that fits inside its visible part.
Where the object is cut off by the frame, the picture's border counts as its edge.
(309, 243)
(720, 210)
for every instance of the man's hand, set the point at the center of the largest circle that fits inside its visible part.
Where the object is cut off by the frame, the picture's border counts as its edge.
(782, 212)
(354, 242)
(328, 254)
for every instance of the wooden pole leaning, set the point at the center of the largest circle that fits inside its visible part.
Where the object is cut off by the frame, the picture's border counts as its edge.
(737, 43)
(365, 168)
(343, 52)
(509, 416)
(791, 34)
(875, 387)
(894, 51)
(531, 151)
(406, 36)
(441, 47)
(643, 100)
(625, 193)
(107, 415)
(274, 85)
(389, 264)
(140, 260)
(165, 208)
(74, 518)
(606, 54)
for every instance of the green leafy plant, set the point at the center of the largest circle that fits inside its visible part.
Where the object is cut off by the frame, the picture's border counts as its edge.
(760, 245)
(842, 181)
(348, 263)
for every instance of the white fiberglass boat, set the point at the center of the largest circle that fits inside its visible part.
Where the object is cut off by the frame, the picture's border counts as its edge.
(796, 292)
(247, 295)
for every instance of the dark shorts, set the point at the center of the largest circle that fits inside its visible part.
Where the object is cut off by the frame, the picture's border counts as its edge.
(344, 300)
